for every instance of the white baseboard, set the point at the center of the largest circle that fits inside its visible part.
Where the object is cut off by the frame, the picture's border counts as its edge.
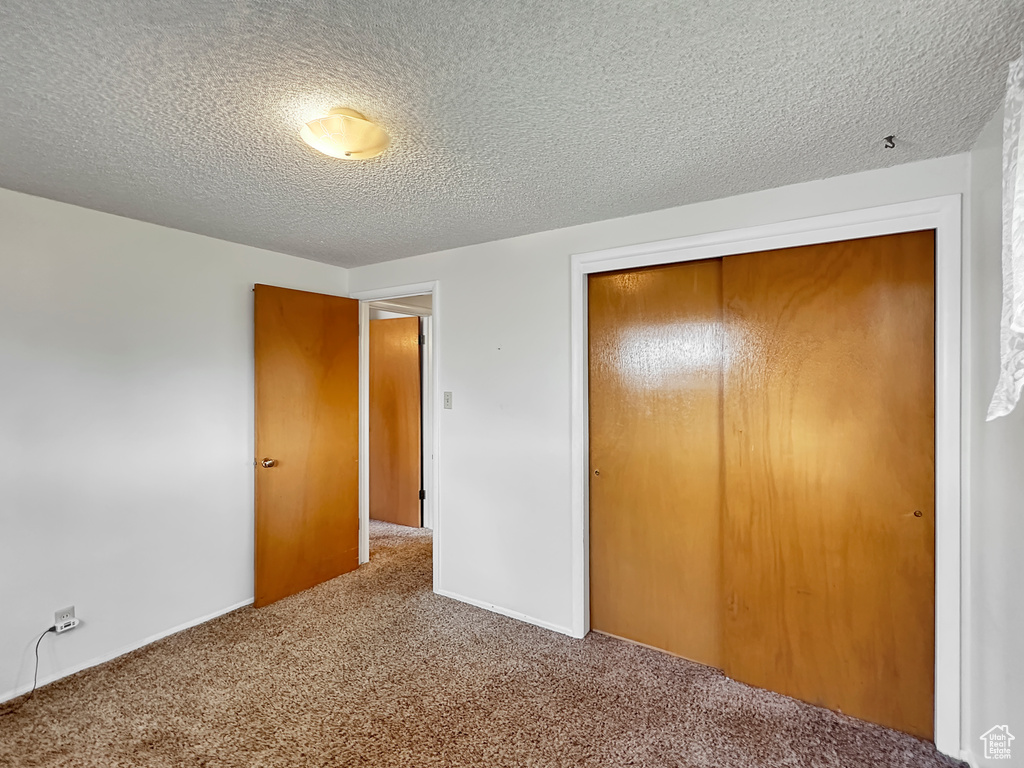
(23, 689)
(20, 690)
(504, 612)
(968, 757)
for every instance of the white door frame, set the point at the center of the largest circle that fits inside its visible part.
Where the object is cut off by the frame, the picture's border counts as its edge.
(939, 213)
(431, 511)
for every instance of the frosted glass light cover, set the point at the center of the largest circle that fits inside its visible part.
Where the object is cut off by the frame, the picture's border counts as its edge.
(346, 134)
(1011, 331)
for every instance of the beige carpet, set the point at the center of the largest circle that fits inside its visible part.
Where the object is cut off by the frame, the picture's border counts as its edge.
(373, 669)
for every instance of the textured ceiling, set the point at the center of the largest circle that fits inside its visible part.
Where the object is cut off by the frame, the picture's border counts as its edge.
(506, 117)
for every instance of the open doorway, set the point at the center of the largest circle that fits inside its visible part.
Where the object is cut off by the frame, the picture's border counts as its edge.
(311, 457)
(398, 455)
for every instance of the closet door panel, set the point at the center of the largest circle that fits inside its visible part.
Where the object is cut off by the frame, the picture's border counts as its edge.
(828, 506)
(655, 457)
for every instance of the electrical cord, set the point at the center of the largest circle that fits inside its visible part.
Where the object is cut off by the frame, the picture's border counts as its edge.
(35, 674)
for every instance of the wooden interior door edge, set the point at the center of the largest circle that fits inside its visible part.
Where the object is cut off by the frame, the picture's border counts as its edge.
(428, 419)
(942, 214)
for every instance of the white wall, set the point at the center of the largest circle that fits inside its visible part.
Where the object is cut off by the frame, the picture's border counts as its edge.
(381, 314)
(996, 636)
(126, 428)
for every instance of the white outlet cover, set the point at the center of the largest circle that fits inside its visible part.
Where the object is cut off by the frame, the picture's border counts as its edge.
(63, 615)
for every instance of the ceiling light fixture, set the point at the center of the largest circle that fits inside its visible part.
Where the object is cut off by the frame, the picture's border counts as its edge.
(345, 133)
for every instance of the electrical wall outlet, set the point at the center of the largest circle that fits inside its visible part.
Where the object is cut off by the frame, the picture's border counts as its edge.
(64, 619)
(447, 399)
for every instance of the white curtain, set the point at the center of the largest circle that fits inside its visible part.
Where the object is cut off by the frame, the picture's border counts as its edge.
(1011, 337)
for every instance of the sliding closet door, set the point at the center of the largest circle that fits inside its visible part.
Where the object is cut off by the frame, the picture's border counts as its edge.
(828, 517)
(655, 441)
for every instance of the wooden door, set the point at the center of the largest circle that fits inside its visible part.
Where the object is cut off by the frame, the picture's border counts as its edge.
(307, 409)
(828, 526)
(655, 341)
(395, 420)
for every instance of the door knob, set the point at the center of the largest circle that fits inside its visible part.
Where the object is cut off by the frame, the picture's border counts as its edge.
(268, 463)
